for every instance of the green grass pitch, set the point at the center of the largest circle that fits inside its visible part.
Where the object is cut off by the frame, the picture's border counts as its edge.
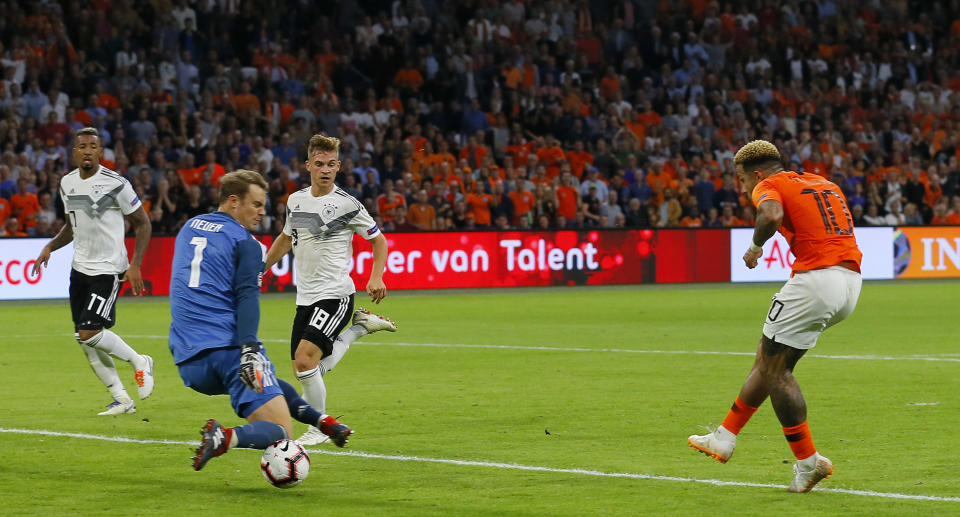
(564, 401)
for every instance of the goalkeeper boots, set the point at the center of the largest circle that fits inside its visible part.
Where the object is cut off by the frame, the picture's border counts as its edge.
(337, 432)
(214, 443)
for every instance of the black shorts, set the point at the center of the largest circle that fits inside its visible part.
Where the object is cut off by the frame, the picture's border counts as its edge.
(320, 323)
(93, 300)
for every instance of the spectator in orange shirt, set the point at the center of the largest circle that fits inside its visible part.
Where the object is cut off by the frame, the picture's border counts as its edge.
(512, 76)
(727, 218)
(551, 155)
(24, 205)
(692, 219)
(390, 101)
(568, 199)
(389, 200)
(191, 174)
(5, 209)
(104, 99)
(519, 150)
(523, 200)
(953, 217)
(816, 164)
(649, 117)
(940, 217)
(657, 177)
(245, 103)
(934, 190)
(578, 159)
(11, 228)
(429, 157)
(408, 78)
(610, 84)
(632, 123)
(422, 214)
(211, 167)
(479, 204)
(474, 153)
(327, 59)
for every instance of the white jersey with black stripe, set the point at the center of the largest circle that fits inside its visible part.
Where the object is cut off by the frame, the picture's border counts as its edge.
(96, 207)
(321, 229)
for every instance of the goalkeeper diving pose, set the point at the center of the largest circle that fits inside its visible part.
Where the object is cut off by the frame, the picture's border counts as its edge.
(215, 311)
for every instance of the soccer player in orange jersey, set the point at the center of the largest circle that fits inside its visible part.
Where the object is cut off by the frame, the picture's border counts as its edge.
(811, 213)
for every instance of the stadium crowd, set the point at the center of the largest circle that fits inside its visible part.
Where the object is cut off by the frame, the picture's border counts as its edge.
(486, 113)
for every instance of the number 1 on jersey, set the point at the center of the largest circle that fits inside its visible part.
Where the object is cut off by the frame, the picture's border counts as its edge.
(199, 244)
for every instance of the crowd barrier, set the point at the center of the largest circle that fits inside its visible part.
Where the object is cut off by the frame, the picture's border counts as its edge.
(435, 260)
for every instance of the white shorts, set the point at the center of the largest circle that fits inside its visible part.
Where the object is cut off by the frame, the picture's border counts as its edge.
(811, 302)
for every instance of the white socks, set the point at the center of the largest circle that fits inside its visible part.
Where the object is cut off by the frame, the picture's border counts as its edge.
(314, 390)
(111, 343)
(341, 345)
(103, 366)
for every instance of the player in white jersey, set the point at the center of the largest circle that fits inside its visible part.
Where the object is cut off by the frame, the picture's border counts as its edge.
(95, 201)
(321, 221)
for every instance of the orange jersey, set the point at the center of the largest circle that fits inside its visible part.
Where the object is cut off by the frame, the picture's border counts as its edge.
(816, 220)
(523, 202)
(386, 203)
(567, 201)
(480, 207)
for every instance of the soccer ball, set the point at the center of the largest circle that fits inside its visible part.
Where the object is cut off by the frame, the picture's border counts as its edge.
(285, 464)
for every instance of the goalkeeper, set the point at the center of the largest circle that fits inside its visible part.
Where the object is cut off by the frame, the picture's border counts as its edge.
(215, 311)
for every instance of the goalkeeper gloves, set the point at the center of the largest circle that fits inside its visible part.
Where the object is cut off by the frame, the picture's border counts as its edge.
(251, 367)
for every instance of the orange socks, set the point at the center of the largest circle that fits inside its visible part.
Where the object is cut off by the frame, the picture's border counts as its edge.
(800, 440)
(797, 436)
(738, 416)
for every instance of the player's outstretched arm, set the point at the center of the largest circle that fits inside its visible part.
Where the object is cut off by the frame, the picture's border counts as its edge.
(769, 217)
(246, 289)
(375, 286)
(280, 247)
(61, 239)
(141, 225)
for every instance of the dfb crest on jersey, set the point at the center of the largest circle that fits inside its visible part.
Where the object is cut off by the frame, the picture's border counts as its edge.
(97, 190)
(328, 212)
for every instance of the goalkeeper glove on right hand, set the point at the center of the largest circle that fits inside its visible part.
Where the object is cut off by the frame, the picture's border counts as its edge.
(251, 367)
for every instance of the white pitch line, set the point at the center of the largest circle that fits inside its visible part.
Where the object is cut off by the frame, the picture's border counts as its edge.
(508, 466)
(928, 358)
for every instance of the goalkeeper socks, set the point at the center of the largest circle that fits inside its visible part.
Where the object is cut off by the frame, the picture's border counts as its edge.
(341, 345)
(111, 343)
(300, 409)
(738, 416)
(256, 435)
(102, 365)
(800, 441)
(314, 390)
